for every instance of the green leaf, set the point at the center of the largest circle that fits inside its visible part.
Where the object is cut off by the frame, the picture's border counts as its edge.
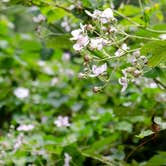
(156, 72)
(102, 144)
(59, 42)
(157, 52)
(144, 134)
(159, 159)
(124, 126)
(130, 10)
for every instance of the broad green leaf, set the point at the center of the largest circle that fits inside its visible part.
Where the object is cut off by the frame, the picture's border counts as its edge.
(159, 159)
(59, 41)
(156, 52)
(124, 126)
(144, 134)
(102, 144)
(130, 10)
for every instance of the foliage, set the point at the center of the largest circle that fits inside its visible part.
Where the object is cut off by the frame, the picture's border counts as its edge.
(67, 101)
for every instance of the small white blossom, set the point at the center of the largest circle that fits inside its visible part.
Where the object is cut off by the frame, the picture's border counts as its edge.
(98, 70)
(48, 70)
(19, 142)
(137, 53)
(103, 16)
(76, 34)
(62, 121)
(162, 36)
(124, 72)
(95, 14)
(24, 127)
(21, 92)
(65, 24)
(39, 18)
(123, 81)
(81, 43)
(81, 38)
(67, 159)
(121, 50)
(54, 81)
(106, 15)
(124, 47)
(97, 43)
(66, 56)
(41, 63)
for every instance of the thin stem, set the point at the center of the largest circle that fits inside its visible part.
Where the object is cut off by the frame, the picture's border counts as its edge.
(138, 25)
(112, 57)
(156, 31)
(159, 83)
(140, 37)
(57, 6)
(140, 145)
(141, 6)
(127, 18)
(97, 158)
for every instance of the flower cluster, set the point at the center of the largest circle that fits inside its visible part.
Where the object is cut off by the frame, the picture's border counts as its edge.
(19, 142)
(123, 81)
(62, 121)
(103, 16)
(138, 62)
(67, 159)
(38, 19)
(21, 92)
(24, 127)
(81, 35)
(104, 35)
(122, 50)
(98, 70)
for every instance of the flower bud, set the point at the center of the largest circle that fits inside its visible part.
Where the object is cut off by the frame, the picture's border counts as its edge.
(137, 73)
(81, 75)
(96, 89)
(86, 58)
(136, 54)
(130, 69)
(89, 27)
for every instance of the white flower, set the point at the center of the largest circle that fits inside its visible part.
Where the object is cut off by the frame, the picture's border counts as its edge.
(76, 34)
(99, 70)
(124, 47)
(137, 53)
(81, 43)
(67, 159)
(124, 72)
(48, 70)
(41, 63)
(106, 15)
(121, 50)
(103, 16)
(21, 92)
(65, 24)
(24, 127)
(39, 18)
(124, 83)
(81, 39)
(54, 81)
(66, 56)
(62, 121)
(97, 43)
(162, 36)
(19, 142)
(123, 80)
(96, 13)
